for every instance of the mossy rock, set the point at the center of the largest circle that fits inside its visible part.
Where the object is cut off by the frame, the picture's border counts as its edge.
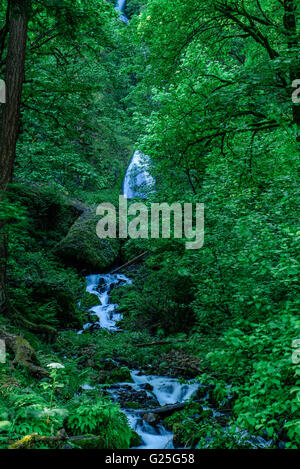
(121, 374)
(179, 434)
(48, 208)
(135, 440)
(134, 405)
(89, 300)
(89, 442)
(83, 249)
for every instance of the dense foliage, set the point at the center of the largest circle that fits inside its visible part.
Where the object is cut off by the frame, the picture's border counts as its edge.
(205, 89)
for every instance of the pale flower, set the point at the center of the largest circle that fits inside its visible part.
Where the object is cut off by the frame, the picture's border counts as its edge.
(55, 365)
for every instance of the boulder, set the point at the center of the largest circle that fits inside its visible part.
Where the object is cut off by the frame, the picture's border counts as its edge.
(135, 440)
(179, 434)
(89, 300)
(82, 248)
(151, 418)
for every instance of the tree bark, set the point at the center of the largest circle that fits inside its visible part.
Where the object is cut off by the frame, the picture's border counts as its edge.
(10, 115)
(290, 26)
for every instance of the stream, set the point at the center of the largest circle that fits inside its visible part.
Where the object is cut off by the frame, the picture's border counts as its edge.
(162, 390)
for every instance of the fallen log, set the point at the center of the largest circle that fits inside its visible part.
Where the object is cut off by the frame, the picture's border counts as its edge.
(160, 342)
(24, 354)
(164, 410)
(29, 441)
(132, 261)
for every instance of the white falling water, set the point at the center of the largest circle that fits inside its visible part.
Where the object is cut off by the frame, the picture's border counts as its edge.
(138, 181)
(167, 391)
(101, 285)
(120, 6)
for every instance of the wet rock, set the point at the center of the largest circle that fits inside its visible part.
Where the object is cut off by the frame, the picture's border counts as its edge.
(134, 405)
(150, 418)
(148, 387)
(89, 300)
(222, 420)
(124, 394)
(121, 374)
(135, 440)
(201, 393)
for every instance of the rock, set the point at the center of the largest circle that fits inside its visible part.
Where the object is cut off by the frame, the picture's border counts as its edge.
(222, 420)
(89, 442)
(133, 405)
(135, 440)
(200, 393)
(124, 393)
(121, 374)
(89, 300)
(113, 373)
(150, 418)
(82, 248)
(179, 434)
(148, 387)
(109, 364)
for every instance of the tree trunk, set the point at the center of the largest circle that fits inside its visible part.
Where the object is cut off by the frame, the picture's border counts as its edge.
(10, 116)
(290, 26)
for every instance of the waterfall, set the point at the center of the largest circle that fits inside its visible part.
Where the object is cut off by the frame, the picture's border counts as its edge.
(120, 6)
(138, 182)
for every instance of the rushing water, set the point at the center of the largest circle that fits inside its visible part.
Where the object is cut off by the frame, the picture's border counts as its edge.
(120, 6)
(138, 181)
(165, 390)
(101, 285)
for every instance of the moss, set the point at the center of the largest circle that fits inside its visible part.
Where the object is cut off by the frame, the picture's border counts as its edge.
(49, 210)
(121, 374)
(135, 440)
(89, 442)
(134, 405)
(179, 434)
(83, 249)
(117, 375)
(89, 300)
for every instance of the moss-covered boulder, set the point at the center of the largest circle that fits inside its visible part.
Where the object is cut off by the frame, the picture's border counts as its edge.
(135, 440)
(82, 248)
(50, 211)
(120, 374)
(179, 434)
(89, 300)
(89, 442)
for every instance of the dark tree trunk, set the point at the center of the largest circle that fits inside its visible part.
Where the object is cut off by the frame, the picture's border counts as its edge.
(10, 115)
(290, 26)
